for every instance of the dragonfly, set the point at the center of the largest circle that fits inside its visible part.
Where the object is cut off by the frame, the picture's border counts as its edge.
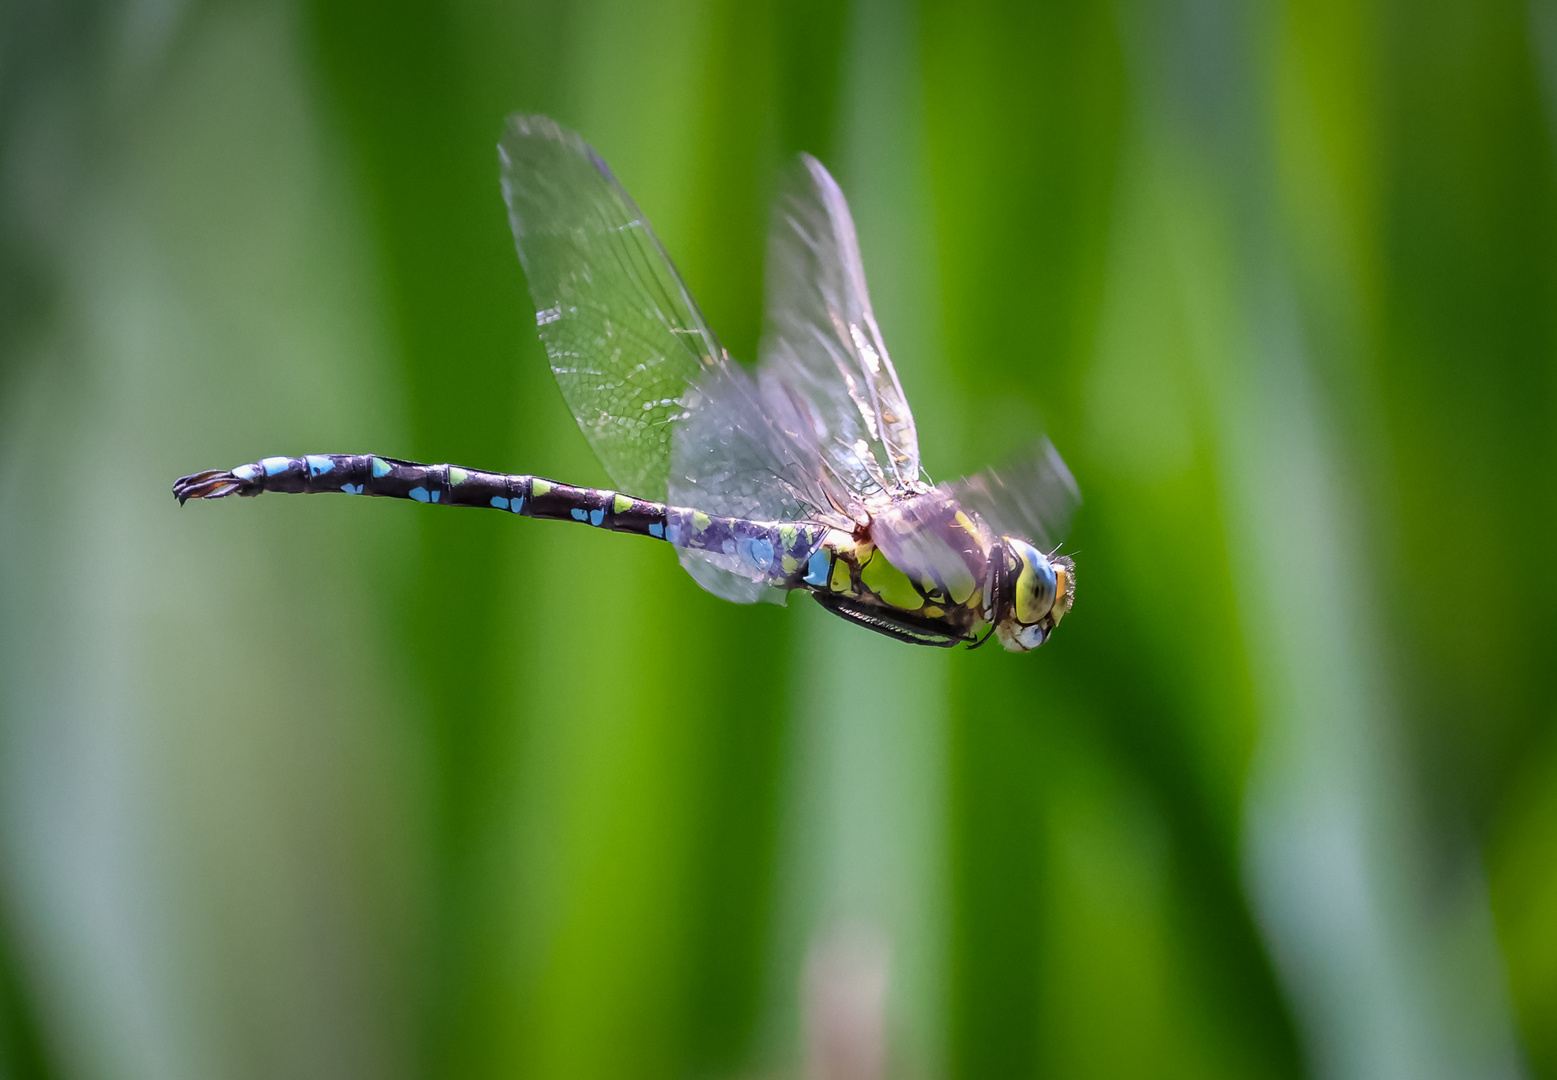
(799, 475)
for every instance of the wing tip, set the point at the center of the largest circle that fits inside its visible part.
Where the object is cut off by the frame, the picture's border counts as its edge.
(527, 124)
(820, 175)
(537, 127)
(521, 128)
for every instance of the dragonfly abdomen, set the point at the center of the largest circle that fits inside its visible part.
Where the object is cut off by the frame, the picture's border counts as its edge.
(777, 552)
(444, 485)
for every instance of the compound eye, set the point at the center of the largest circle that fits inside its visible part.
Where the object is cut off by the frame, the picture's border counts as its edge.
(1035, 586)
(1030, 637)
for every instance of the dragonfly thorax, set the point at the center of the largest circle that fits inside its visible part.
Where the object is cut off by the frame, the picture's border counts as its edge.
(1031, 593)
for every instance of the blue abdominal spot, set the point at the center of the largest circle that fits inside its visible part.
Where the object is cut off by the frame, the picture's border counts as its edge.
(352, 489)
(657, 531)
(418, 493)
(273, 465)
(579, 515)
(499, 503)
(380, 467)
(318, 465)
(817, 569)
(759, 552)
(596, 517)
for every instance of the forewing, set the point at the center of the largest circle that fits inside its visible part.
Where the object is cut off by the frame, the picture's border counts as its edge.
(1032, 496)
(820, 337)
(624, 335)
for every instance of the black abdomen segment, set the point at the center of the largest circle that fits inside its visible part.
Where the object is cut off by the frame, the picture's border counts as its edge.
(443, 485)
(776, 550)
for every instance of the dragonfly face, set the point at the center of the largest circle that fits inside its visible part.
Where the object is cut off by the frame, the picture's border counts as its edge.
(1034, 594)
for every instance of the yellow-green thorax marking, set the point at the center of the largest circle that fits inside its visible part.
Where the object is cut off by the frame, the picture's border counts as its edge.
(972, 581)
(853, 575)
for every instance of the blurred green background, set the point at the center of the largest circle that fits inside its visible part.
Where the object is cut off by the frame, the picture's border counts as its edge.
(328, 788)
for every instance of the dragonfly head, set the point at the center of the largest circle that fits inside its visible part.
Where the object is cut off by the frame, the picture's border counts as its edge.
(1035, 593)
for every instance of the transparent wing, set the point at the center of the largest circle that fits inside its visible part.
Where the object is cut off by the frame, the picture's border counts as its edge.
(821, 341)
(637, 363)
(624, 335)
(742, 449)
(646, 377)
(1032, 496)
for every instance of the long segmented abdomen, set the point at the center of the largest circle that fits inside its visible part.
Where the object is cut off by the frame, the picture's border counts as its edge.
(781, 553)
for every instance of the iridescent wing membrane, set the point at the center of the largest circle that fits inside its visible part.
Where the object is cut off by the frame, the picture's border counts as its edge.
(821, 341)
(824, 425)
